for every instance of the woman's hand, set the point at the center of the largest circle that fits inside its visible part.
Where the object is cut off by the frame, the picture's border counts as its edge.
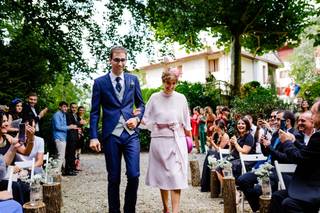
(30, 130)
(5, 195)
(233, 141)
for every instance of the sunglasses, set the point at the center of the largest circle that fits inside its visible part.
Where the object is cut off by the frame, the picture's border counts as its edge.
(117, 60)
(273, 116)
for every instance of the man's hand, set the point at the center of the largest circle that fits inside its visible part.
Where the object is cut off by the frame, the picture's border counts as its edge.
(264, 141)
(136, 112)
(72, 126)
(95, 145)
(132, 123)
(285, 136)
(43, 112)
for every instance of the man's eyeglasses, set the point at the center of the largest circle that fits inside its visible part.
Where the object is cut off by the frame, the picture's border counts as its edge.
(117, 60)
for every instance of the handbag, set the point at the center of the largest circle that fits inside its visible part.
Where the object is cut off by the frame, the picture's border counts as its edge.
(189, 143)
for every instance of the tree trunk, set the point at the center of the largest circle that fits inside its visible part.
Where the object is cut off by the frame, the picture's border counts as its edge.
(264, 204)
(40, 207)
(229, 195)
(195, 173)
(52, 197)
(214, 184)
(236, 64)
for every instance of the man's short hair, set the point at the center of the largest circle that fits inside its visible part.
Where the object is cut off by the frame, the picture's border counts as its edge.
(117, 49)
(63, 103)
(32, 94)
(289, 115)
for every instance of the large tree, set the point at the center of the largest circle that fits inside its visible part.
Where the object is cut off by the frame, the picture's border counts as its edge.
(258, 25)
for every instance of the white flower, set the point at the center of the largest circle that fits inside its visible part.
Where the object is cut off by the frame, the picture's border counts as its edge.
(264, 171)
(212, 162)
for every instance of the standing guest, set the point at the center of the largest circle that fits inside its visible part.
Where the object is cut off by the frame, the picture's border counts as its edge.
(72, 139)
(195, 126)
(168, 155)
(15, 116)
(304, 106)
(80, 142)
(202, 130)
(30, 111)
(302, 194)
(210, 121)
(60, 129)
(117, 93)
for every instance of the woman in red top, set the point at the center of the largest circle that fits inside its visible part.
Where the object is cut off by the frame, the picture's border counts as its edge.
(195, 127)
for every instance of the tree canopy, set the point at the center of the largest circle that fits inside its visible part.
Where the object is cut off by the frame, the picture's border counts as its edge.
(259, 25)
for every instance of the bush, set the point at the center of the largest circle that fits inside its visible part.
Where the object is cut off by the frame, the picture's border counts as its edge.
(311, 91)
(256, 100)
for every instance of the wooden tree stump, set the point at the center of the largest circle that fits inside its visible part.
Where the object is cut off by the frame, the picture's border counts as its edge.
(229, 195)
(214, 184)
(52, 197)
(195, 173)
(39, 207)
(264, 204)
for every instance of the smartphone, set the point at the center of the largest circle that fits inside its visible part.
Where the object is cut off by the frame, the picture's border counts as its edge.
(283, 125)
(22, 133)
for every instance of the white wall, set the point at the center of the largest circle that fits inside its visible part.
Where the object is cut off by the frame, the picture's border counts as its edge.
(195, 70)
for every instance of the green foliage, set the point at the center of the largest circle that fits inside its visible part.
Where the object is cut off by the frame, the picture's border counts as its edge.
(256, 100)
(145, 139)
(147, 92)
(259, 26)
(310, 91)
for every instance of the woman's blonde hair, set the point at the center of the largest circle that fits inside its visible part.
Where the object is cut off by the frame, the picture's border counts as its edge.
(170, 74)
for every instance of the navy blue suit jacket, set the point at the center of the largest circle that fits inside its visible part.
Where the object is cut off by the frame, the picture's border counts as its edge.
(104, 96)
(305, 184)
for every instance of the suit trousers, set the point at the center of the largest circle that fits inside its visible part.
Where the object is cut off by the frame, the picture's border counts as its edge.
(282, 203)
(114, 147)
(248, 184)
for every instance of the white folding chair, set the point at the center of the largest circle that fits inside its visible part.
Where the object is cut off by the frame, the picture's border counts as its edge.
(249, 158)
(11, 178)
(223, 152)
(283, 168)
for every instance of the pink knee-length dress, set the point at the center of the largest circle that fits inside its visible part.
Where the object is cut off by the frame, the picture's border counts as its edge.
(167, 116)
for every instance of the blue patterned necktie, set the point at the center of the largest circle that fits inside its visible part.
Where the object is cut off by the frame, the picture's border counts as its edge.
(118, 85)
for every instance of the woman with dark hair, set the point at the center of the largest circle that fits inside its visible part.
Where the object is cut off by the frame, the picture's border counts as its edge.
(304, 106)
(15, 116)
(244, 144)
(81, 129)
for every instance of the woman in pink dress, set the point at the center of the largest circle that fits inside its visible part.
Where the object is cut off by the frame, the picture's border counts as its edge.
(167, 117)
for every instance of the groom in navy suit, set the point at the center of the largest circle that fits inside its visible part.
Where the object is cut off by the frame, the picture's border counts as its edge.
(117, 93)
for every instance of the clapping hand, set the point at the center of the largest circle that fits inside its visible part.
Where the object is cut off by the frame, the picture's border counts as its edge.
(286, 136)
(233, 140)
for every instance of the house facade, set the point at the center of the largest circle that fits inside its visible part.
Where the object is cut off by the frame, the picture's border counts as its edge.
(197, 67)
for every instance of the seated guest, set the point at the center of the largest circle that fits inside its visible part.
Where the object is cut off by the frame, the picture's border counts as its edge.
(303, 192)
(9, 146)
(220, 139)
(6, 203)
(248, 182)
(244, 144)
(37, 153)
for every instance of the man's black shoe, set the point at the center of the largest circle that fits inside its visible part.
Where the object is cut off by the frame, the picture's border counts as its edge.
(69, 174)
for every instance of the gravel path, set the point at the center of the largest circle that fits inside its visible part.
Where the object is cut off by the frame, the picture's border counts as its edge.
(86, 192)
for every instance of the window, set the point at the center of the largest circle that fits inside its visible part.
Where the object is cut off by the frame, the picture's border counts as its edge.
(265, 75)
(213, 65)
